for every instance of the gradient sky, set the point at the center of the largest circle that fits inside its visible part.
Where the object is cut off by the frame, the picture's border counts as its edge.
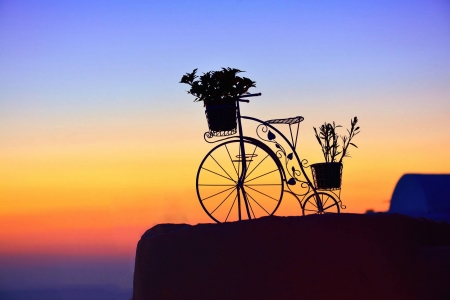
(99, 141)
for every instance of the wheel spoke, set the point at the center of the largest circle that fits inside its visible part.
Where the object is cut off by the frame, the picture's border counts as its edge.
(216, 185)
(325, 202)
(234, 201)
(239, 164)
(263, 184)
(222, 201)
(218, 193)
(218, 174)
(248, 174)
(334, 204)
(231, 159)
(312, 210)
(251, 209)
(254, 150)
(221, 167)
(258, 203)
(262, 193)
(312, 203)
(262, 175)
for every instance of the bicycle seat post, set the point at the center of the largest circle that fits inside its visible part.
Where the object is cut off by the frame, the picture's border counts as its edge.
(243, 160)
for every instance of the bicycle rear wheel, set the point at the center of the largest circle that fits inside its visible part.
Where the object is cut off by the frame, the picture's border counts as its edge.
(217, 182)
(329, 204)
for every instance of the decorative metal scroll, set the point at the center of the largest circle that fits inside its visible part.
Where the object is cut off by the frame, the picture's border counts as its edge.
(210, 135)
(292, 170)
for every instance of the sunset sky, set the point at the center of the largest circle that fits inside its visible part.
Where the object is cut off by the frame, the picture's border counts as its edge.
(99, 141)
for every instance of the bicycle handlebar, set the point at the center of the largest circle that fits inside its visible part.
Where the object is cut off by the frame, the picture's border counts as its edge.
(248, 95)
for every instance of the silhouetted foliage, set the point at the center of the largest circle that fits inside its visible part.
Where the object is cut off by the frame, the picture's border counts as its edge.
(328, 140)
(217, 85)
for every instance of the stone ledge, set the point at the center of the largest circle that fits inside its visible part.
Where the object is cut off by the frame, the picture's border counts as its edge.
(342, 256)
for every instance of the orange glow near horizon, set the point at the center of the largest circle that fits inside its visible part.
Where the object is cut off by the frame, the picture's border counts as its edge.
(85, 190)
(92, 204)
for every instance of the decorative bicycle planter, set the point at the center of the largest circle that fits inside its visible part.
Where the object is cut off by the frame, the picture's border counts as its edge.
(245, 177)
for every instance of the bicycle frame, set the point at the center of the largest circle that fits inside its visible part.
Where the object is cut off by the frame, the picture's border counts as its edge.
(289, 176)
(285, 139)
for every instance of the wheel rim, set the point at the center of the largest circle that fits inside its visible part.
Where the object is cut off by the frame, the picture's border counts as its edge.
(217, 182)
(329, 204)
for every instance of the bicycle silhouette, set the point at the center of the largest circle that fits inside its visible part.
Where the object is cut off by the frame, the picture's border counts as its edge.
(243, 178)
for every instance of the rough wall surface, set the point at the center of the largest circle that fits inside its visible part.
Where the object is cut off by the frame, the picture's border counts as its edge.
(341, 256)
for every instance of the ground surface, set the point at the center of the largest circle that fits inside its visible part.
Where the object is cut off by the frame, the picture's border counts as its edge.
(339, 256)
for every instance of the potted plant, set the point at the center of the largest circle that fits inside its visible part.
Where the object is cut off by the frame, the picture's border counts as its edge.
(218, 91)
(328, 175)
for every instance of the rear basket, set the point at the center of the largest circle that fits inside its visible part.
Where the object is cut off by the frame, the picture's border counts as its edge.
(327, 176)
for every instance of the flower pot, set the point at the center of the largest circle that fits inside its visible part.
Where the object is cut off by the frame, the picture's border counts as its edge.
(221, 117)
(327, 176)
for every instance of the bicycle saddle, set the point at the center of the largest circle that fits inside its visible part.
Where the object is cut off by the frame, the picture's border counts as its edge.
(289, 121)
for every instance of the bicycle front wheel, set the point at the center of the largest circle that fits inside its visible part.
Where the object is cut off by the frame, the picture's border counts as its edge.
(217, 182)
(327, 205)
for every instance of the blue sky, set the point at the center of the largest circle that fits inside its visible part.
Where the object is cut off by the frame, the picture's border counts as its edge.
(88, 53)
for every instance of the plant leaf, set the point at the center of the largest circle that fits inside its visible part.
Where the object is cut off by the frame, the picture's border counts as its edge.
(291, 181)
(271, 136)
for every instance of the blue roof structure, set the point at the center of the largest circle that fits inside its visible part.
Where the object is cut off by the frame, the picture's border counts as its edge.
(422, 195)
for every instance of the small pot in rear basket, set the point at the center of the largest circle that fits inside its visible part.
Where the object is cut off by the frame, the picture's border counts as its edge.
(327, 176)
